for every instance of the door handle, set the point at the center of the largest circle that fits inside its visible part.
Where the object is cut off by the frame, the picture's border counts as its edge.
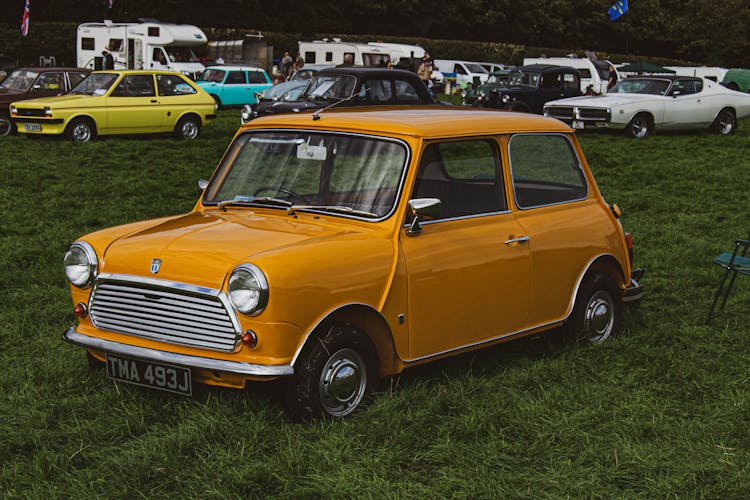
(520, 239)
(154, 101)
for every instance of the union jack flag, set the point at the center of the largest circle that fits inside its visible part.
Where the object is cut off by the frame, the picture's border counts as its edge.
(25, 19)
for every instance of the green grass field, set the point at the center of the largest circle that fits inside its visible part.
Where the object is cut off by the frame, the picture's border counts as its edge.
(661, 411)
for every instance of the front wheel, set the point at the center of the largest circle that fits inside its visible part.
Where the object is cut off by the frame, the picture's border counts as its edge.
(639, 127)
(80, 130)
(597, 314)
(334, 374)
(6, 126)
(188, 127)
(725, 123)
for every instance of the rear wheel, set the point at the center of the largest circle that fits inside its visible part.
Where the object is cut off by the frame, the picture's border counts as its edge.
(188, 127)
(6, 126)
(597, 314)
(334, 374)
(80, 130)
(639, 127)
(725, 123)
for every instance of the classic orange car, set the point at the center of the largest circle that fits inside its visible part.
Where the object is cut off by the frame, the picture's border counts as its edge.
(340, 247)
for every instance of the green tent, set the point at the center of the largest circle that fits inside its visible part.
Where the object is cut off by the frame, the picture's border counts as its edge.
(644, 67)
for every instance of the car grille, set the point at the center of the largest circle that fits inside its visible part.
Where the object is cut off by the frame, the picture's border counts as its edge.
(29, 112)
(562, 112)
(163, 313)
(592, 113)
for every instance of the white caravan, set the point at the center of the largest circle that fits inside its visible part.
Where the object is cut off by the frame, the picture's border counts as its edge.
(403, 55)
(464, 72)
(594, 72)
(146, 45)
(338, 52)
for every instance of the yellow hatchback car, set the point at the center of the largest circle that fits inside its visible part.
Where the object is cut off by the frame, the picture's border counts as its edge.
(343, 246)
(119, 102)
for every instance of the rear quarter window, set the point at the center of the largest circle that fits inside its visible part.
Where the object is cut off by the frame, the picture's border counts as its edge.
(545, 170)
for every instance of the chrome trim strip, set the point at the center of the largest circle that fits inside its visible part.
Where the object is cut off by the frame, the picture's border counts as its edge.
(219, 365)
(462, 217)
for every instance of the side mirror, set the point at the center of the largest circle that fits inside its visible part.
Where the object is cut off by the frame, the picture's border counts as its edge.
(202, 184)
(676, 93)
(422, 209)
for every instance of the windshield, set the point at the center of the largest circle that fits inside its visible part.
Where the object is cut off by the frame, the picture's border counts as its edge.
(336, 173)
(19, 80)
(527, 78)
(212, 75)
(331, 86)
(303, 75)
(652, 86)
(95, 84)
(475, 68)
(181, 54)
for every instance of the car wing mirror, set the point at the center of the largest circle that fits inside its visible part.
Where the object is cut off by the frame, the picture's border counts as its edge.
(422, 209)
(676, 93)
(202, 185)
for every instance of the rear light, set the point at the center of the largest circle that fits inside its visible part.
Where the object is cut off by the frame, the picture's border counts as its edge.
(629, 244)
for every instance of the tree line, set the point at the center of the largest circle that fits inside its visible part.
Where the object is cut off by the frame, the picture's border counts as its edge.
(710, 33)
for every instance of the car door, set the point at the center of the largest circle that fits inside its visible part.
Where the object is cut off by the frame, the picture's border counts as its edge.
(468, 269)
(133, 106)
(175, 95)
(685, 109)
(235, 90)
(550, 194)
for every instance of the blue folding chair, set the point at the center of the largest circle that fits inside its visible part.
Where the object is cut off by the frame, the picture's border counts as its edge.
(734, 263)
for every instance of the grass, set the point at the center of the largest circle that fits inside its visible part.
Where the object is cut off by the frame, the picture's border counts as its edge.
(660, 411)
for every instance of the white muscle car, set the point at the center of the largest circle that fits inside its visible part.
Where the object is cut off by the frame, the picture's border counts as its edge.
(643, 104)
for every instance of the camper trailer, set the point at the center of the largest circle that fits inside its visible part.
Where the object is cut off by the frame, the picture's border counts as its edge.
(145, 45)
(337, 52)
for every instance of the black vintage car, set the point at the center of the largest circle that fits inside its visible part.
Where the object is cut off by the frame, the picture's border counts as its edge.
(530, 87)
(350, 86)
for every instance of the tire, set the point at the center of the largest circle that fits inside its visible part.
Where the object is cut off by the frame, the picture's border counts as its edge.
(189, 127)
(639, 127)
(6, 126)
(597, 314)
(217, 99)
(725, 123)
(334, 375)
(80, 130)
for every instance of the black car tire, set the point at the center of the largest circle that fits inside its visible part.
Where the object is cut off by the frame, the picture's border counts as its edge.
(639, 127)
(80, 130)
(6, 126)
(597, 314)
(725, 123)
(189, 127)
(334, 375)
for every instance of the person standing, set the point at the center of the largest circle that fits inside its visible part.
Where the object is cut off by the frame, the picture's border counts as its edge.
(299, 60)
(424, 72)
(109, 61)
(286, 65)
(612, 80)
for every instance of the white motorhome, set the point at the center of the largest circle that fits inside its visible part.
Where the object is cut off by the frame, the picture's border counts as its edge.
(337, 52)
(146, 45)
(594, 72)
(465, 72)
(403, 55)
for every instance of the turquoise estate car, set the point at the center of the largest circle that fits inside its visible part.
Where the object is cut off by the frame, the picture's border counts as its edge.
(234, 85)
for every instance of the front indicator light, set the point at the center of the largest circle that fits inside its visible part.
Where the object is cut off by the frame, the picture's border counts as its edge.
(250, 339)
(47, 112)
(80, 310)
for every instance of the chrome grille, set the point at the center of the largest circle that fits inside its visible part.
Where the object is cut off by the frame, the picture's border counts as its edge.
(177, 314)
(559, 112)
(592, 113)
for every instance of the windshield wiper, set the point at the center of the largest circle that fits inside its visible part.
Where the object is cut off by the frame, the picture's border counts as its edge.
(332, 208)
(265, 200)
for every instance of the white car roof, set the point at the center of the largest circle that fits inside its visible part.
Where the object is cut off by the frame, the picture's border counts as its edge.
(236, 68)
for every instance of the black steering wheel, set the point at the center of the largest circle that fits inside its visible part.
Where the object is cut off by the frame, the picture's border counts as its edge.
(279, 189)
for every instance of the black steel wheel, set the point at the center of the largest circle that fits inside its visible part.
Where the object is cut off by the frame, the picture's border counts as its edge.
(597, 314)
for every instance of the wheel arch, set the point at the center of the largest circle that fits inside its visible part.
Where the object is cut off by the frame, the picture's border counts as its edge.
(725, 108)
(606, 263)
(188, 113)
(370, 322)
(83, 116)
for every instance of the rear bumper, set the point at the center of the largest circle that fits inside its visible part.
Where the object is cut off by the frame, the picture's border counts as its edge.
(218, 365)
(634, 290)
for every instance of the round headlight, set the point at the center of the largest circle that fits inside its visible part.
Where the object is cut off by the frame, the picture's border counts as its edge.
(248, 289)
(81, 264)
(246, 114)
(505, 98)
(285, 97)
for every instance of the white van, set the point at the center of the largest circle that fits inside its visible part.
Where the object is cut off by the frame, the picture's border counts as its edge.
(465, 72)
(337, 52)
(148, 45)
(594, 73)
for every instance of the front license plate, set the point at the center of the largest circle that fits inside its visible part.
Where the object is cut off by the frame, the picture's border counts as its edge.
(147, 374)
(577, 124)
(32, 127)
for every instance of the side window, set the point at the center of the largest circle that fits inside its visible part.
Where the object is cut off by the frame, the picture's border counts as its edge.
(329, 56)
(50, 81)
(545, 170)
(135, 86)
(685, 87)
(550, 81)
(464, 175)
(570, 81)
(235, 77)
(256, 77)
(115, 45)
(376, 92)
(76, 78)
(173, 85)
(406, 93)
(585, 73)
(459, 70)
(87, 44)
(309, 57)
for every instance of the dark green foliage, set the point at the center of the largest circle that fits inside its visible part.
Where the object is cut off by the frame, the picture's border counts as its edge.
(660, 411)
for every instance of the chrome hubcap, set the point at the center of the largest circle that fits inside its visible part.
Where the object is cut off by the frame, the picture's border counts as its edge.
(81, 132)
(5, 126)
(342, 382)
(599, 318)
(726, 124)
(640, 127)
(189, 130)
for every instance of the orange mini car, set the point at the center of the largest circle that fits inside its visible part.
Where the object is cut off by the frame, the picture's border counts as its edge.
(341, 249)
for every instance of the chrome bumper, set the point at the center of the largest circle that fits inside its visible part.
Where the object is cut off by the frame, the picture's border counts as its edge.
(219, 365)
(633, 292)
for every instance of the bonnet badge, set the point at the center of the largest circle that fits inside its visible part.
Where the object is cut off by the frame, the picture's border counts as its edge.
(155, 265)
